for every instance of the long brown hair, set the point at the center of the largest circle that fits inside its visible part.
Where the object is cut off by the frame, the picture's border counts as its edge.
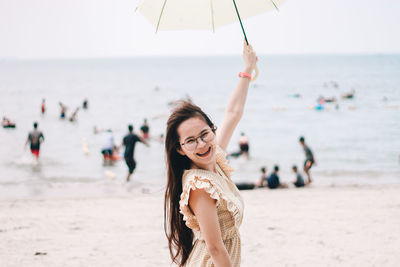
(180, 237)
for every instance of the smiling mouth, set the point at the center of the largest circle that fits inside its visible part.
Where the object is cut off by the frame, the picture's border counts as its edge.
(205, 153)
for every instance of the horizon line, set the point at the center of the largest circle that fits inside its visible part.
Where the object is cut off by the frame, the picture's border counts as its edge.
(9, 58)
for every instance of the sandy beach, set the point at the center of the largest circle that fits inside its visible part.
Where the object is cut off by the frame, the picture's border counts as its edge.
(331, 226)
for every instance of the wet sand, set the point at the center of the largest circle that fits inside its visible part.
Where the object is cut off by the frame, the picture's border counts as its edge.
(335, 226)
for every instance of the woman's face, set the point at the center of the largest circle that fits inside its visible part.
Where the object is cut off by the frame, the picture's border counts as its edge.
(201, 154)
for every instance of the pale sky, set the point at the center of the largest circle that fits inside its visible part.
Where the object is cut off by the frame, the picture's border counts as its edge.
(111, 28)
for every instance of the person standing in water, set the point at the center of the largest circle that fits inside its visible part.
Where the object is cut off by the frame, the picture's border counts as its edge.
(203, 209)
(85, 104)
(43, 106)
(309, 158)
(73, 115)
(129, 142)
(63, 110)
(145, 129)
(244, 145)
(108, 146)
(35, 138)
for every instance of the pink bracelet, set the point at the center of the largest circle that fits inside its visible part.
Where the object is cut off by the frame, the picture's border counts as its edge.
(245, 75)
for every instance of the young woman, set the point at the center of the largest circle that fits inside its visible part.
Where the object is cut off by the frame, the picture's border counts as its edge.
(203, 208)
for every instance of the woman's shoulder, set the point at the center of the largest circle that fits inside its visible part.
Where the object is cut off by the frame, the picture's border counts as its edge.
(197, 174)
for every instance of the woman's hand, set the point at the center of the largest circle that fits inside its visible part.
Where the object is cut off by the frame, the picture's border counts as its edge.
(250, 58)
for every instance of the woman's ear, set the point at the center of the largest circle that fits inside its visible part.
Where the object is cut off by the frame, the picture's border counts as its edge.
(180, 151)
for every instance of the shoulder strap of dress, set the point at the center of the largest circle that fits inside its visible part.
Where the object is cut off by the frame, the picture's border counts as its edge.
(220, 156)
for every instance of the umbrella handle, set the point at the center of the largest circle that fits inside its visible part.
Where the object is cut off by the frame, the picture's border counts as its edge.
(255, 73)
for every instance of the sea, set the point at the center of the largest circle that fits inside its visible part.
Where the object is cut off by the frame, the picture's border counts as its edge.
(355, 141)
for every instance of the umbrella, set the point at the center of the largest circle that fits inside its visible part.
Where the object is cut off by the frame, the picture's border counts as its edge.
(202, 14)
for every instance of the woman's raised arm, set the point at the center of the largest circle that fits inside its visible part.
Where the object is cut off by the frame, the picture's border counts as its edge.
(235, 107)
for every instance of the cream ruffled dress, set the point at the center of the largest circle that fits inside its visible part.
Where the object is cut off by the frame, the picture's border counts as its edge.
(229, 209)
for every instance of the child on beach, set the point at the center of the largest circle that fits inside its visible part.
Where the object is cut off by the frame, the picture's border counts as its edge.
(299, 182)
(264, 178)
(274, 181)
(203, 208)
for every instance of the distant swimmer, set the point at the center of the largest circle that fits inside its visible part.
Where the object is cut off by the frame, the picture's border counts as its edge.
(244, 145)
(43, 106)
(335, 84)
(63, 110)
(349, 95)
(145, 129)
(35, 138)
(129, 142)
(73, 115)
(6, 123)
(330, 99)
(309, 158)
(295, 95)
(299, 182)
(85, 104)
(319, 107)
(321, 100)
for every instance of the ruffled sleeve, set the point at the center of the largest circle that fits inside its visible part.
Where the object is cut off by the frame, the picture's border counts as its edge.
(192, 180)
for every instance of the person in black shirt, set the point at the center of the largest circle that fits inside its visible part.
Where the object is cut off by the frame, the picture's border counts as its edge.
(129, 142)
(273, 180)
(309, 158)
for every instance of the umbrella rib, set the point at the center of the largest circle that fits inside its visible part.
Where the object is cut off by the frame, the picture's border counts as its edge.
(276, 7)
(159, 19)
(212, 15)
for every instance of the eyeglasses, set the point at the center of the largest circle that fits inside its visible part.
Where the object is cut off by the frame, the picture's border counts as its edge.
(206, 136)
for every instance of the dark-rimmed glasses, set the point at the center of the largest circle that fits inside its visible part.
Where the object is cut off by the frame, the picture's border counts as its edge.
(205, 136)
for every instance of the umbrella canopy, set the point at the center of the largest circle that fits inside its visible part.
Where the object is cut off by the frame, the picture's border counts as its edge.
(200, 14)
